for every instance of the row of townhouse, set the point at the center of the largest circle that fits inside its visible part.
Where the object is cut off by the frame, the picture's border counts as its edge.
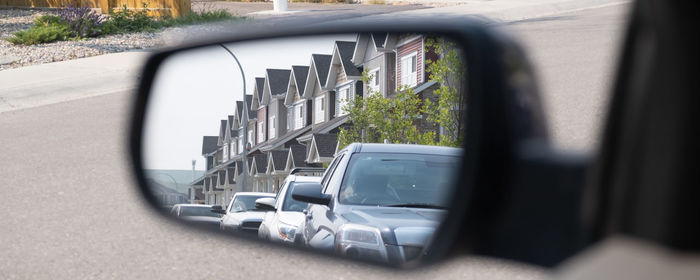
(293, 115)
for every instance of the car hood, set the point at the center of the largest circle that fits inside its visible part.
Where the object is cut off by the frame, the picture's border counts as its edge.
(248, 215)
(291, 217)
(398, 225)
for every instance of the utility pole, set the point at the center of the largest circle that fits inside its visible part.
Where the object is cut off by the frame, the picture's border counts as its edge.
(244, 160)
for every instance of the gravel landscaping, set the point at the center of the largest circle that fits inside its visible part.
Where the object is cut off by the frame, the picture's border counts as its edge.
(13, 56)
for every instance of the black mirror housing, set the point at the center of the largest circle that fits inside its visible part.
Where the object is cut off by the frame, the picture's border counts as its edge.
(311, 193)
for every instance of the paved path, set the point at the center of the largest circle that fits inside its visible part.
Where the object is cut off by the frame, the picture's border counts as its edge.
(70, 211)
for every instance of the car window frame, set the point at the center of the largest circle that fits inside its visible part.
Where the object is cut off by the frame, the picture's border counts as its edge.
(324, 184)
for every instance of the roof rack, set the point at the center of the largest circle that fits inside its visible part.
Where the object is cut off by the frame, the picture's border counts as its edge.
(307, 169)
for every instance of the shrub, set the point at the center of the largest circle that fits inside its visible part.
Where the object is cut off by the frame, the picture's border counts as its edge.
(47, 20)
(39, 34)
(82, 22)
(125, 20)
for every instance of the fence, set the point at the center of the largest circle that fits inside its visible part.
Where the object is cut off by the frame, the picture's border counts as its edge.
(173, 8)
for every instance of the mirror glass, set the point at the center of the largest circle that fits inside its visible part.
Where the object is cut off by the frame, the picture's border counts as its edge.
(344, 143)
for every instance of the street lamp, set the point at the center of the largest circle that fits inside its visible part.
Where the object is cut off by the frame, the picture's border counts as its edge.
(245, 121)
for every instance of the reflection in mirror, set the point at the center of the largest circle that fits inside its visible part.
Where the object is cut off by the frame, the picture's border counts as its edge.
(345, 143)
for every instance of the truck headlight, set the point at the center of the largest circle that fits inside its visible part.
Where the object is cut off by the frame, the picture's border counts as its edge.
(360, 241)
(286, 232)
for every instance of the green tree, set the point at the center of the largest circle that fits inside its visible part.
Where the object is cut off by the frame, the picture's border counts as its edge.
(448, 71)
(375, 118)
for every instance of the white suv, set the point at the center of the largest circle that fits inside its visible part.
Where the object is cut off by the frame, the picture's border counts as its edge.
(284, 216)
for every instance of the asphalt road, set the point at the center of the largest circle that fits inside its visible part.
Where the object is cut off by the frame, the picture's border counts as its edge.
(70, 209)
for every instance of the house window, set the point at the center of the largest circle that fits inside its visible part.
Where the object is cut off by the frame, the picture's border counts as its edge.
(320, 109)
(409, 70)
(272, 127)
(250, 137)
(240, 145)
(299, 121)
(342, 98)
(261, 132)
(374, 80)
(225, 153)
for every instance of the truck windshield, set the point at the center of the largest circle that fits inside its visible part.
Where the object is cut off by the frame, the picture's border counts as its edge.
(398, 180)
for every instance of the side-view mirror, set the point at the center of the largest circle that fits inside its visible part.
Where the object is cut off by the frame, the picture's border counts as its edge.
(361, 109)
(218, 209)
(311, 193)
(265, 204)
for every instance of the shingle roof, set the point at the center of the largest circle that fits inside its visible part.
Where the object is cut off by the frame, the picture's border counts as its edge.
(379, 39)
(222, 177)
(279, 158)
(222, 128)
(229, 172)
(252, 114)
(322, 63)
(239, 109)
(278, 79)
(239, 167)
(325, 144)
(324, 127)
(230, 121)
(209, 144)
(298, 155)
(346, 50)
(259, 86)
(260, 162)
(300, 75)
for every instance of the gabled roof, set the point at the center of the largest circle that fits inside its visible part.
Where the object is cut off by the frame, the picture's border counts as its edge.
(209, 144)
(318, 73)
(322, 62)
(300, 75)
(379, 39)
(230, 127)
(277, 160)
(276, 82)
(252, 113)
(257, 93)
(222, 177)
(222, 133)
(322, 148)
(345, 50)
(341, 61)
(230, 175)
(297, 79)
(325, 144)
(239, 110)
(259, 164)
(358, 56)
(296, 156)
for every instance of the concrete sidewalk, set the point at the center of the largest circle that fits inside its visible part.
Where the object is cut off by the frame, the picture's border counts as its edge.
(50, 83)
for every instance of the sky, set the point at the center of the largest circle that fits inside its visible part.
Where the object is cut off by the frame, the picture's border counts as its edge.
(194, 90)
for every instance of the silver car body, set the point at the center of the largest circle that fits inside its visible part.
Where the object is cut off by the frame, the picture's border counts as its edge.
(280, 225)
(248, 220)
